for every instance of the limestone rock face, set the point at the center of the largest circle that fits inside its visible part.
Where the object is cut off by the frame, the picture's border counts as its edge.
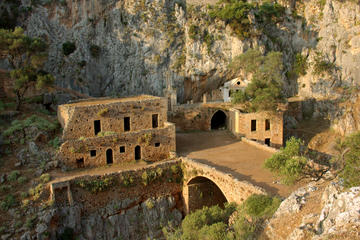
(118, 220)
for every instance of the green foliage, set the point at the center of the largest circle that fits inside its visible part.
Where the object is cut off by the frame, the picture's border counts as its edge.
(300, 65)
(45, 178)
(8, 202)
(208, 39)
(36, 191)
(21, 180)
(264, 92)
(30, 222)
(102, 112)
(127, 180)
(180, 62)
(259, 205)
(97, 185)
(95, 50)
(290, 162)
(32, 121)
(148, 177)
(68, 48)
(194, 32)
(322, 65)
(5, 188)
(13, 176)
(350, 160)
(27, 57)
(55, 143)
(149, 204)
(236, 14)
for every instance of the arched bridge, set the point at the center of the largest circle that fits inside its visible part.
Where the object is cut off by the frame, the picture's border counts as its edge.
(206, 186)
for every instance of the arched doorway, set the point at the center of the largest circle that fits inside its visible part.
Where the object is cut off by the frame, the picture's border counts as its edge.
(218, 120)
(137, 152)
(109, 156)
(204, 192)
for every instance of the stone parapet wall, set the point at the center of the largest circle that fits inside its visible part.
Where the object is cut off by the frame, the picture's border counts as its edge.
(155, 145)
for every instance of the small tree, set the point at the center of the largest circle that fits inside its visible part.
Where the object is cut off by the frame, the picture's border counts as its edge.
(264, 92)
(27, 57)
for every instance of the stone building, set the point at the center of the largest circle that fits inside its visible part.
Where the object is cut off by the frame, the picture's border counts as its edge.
(232, 86)
(264, 127)
(103, 131)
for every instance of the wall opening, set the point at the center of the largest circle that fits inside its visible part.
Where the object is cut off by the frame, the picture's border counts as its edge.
(218, 120)
(204, 192)
(92, 153)
(126, 124)
(155, 120)
(253, 125)
(122, 149)
(109, 156)
(137, 152)
(157, 144)
(267, 141)
(80, 162)
(97, 127)
(267, 124)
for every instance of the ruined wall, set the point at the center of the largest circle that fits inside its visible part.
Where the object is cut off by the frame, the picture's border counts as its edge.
(241, 124)
(79, 121)
(155, 145)
(131, 204)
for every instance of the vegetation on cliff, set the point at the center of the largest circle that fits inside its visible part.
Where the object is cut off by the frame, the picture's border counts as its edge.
(264, 92)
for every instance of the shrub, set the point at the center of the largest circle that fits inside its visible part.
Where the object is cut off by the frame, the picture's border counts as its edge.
(44, 178)
(322, 65)
(97, 185)
(68, 48)
(148, 177)
(300, 65)
(102, 112)
(5, 188)
(36, 191)
(8, 202)
(22, 180)
(95, 50)
(55, 143)
(194, 32)
(149, 204)
(290, 162)
(30, 222)
(12, 177)
(259, 205)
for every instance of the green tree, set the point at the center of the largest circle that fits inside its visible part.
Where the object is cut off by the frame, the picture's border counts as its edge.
(264, 92)
(27, 56)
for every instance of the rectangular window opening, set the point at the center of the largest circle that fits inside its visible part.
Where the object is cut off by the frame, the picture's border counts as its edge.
(97, 127)
(155, 120)
(267, 141)
(157, 144)
(80, 162)
(122, 149)
(267, 124)
(253, 125)
(126, 124)
(92, 153)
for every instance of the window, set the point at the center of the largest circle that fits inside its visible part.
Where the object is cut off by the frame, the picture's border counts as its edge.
(92, 153)
(253, 125)
(126, 124)
(238, 83)
(155, 120)
(267, 124)
(97, 127)
(267, 141)
(157, 144)
(122, 149)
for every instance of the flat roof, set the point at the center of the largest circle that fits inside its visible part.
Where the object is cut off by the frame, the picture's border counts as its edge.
(96, 101)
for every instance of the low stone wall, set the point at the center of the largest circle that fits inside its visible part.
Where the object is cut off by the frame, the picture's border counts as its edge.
(259, 145)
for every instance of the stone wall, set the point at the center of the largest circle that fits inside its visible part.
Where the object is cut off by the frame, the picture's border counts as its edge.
(96, 132)
(253, 126)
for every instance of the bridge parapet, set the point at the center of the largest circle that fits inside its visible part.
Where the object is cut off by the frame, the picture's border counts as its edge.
(232, 188)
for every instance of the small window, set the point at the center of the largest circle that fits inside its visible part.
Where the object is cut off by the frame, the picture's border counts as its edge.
(155, 120)
(126, 124)
(253, 125)
(267, 124)
(92, 153)
(97, 127)
(80, 162)
(267, 141)
(238, 83)
(122, 149)
(157, 144)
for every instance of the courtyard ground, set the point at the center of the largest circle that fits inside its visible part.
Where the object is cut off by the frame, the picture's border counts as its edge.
(222, 150)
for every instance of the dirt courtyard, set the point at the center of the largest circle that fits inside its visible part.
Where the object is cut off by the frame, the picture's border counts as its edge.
(223, 151)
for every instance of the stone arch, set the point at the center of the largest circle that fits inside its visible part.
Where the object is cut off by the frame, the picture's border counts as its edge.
(202, 191)
(218, 120)
(109, 156)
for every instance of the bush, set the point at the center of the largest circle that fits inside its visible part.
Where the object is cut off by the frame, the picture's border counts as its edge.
(322, 65)
(22, 180)
(30, 222)
(102, 112)
(97, 185)
(68, 48)
(194, 32)
(290, 162)
(259, 205)
(44, 178)
(36, 191)
(300, 65)
(8, 202)
(13, 176)
(55, 143)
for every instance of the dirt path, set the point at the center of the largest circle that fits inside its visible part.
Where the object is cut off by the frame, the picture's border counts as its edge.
(221, 150)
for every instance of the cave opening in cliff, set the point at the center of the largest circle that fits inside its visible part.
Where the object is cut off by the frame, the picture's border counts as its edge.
(218, 121)
(204, 192)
